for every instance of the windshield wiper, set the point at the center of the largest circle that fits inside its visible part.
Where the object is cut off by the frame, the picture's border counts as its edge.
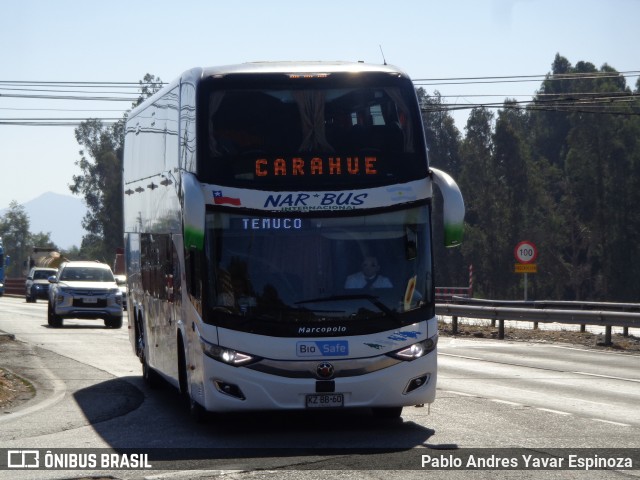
(371, 298)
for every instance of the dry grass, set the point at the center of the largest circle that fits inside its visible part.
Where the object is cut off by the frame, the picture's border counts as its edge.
(586, 339)
(13, 389)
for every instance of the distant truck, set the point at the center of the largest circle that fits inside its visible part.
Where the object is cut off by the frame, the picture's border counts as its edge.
(45, 257)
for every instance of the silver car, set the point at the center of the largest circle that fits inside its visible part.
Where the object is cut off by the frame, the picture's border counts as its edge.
(84, 290)
(37, 284)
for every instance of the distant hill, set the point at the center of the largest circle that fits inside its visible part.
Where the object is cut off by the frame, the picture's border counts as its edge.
(59, 215)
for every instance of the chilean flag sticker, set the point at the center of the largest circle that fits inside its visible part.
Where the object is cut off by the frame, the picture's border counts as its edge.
(219, 199)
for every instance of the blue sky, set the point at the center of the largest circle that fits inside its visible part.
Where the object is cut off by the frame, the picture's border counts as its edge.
(121, 41)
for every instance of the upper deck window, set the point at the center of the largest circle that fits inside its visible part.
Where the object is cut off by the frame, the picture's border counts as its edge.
(284, 132)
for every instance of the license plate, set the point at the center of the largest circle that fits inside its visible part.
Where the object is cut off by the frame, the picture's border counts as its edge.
(325, 400)
(90, 300)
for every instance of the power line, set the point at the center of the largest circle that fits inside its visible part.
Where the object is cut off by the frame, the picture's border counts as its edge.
(524, 78)
(44, 123)
(62, 109)
(583, 102)
(66, 97)
(66, 91)
(40, 82)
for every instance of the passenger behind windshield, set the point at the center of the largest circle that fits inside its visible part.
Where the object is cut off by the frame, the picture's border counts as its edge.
(368, 277)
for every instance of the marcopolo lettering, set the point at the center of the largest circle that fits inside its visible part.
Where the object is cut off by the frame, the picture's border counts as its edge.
(312, 330)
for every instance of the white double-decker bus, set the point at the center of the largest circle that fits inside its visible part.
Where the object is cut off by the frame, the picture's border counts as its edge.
(278, 238)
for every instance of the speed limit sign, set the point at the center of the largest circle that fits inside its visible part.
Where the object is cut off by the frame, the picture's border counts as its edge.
(525, 252)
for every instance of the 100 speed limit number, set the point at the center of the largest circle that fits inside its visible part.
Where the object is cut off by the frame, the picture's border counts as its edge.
(525, 252)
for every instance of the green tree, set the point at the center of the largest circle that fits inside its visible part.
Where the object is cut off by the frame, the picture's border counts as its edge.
(14, 231)
(42, 239)
(599, 174)
(443, 141)
(584, 131)
(101, 185)
(562, 173)
(480, 188)
(100, 179)
(442, 135)
(19, 240)
(149, 85)
(550, 125)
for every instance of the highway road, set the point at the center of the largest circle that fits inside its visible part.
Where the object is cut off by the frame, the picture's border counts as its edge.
(508, 399)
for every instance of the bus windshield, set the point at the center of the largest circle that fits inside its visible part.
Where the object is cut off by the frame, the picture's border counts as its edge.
(265, 270)
(316, 132)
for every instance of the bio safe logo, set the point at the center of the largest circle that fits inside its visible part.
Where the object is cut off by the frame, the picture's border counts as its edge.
(320, 348)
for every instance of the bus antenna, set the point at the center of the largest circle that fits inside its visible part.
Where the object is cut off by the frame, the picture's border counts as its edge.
(383, 59)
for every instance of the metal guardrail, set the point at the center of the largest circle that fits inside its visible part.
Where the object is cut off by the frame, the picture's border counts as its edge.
(605, 314)
(14, 286)
(447, 294)
(608, 315)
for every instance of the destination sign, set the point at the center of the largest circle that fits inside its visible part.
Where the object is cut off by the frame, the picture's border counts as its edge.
(266, 223)
(320, 166)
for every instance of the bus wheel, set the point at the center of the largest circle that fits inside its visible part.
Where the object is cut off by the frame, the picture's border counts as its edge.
(387, 412)
(139, 340)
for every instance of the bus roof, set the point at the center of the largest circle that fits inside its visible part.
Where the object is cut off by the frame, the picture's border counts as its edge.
(299, 67)
(196, 74)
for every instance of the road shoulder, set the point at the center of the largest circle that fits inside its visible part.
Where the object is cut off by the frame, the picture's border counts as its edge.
(61, 387)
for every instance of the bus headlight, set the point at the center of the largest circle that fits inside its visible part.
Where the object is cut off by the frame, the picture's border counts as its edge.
(416, 350)
(226, 355)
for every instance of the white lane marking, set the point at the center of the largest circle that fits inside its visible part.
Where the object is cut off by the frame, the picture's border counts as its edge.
(589, 350)
(558, 412)
(507, 402)
(548, 410)
(610, 422)
(610, 377)
(462, 394)
(463, 356)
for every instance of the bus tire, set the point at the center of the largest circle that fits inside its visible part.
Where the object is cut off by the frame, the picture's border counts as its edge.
(139, 338)
(387, 412)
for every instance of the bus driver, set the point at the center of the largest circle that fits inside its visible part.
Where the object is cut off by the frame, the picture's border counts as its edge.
(368, 277)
